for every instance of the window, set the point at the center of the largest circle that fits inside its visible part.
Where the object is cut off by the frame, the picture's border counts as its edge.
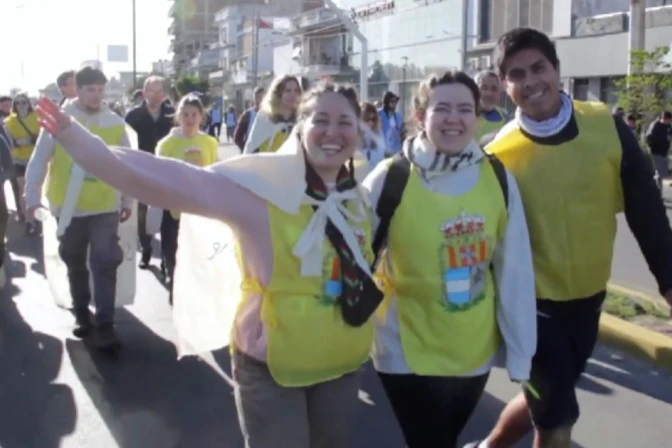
(485, 21)
(581, 89)
(608, 90)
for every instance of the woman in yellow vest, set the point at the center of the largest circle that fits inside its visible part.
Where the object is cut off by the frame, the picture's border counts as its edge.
(492, 118)
(457, 270)
(277, 265)
(276, 117)
(23, 129)
(188, 144)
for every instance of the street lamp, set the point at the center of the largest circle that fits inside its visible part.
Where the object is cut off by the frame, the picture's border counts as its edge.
(403, 85)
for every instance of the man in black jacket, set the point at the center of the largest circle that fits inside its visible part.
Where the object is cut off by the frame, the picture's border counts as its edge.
(151, 120)
(658, 140)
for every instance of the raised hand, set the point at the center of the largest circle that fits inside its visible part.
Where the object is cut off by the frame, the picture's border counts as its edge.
(52, 119)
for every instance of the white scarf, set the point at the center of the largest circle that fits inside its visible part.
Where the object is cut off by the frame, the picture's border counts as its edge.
(548, 127)
(422, 153)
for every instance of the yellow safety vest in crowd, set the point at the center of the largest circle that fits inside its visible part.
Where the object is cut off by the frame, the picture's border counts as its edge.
(23, 153)
(308, 341)
(201, 150)
(486, 127)
(571, 193)
(439, 268)
(95, 196)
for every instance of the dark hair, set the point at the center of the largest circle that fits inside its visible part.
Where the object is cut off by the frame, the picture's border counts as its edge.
(389, 96)
(87, 76)
(305, 107)
(63, 78)
(24, 95)
(258, 90)
(4, 98)
(137, 94)
(667, 115)
(370, 109)
(631, 117)
(422, 94)
(519, 39)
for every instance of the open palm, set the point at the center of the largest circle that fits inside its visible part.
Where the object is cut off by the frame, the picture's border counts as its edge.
(52, 119)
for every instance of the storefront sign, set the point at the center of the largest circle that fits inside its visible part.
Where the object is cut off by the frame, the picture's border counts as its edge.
(372, 10)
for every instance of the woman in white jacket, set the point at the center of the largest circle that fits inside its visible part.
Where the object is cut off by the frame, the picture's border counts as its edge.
(373, 142)
(456, 270)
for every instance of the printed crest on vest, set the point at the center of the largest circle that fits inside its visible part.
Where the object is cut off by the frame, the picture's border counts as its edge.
(465, 260)
(193, 156)
(332, 276)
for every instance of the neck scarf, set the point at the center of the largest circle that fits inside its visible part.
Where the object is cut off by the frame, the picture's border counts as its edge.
(431, 163)
(359, 295)
(550, 127)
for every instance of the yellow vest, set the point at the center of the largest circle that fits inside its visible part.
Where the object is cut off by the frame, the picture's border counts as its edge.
(95, 196)
(23, 153)
(571, 193)
(308, 341)
(272, 144)
(485, 127)
(439, 261)
(201, 150)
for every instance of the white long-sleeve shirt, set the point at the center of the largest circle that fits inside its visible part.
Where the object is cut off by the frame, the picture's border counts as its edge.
(514, 280)
(38, 166)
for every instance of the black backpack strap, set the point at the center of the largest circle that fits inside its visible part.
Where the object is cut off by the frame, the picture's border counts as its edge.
(390, 198)
(500, 172)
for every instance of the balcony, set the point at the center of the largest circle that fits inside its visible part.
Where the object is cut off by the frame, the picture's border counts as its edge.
(323, 56)
(311, 20)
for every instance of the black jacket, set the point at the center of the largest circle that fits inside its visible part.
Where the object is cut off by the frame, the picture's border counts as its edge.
(657, 138)
(150, 132)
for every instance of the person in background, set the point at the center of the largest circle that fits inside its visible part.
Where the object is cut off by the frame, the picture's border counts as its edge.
(151, 120)
(392, 124)
(618, 111)
(276, 117)
(246, 122)
(188, 144)
(215, 121)
(492, 117)
(66, 84)
(373, 143)
(631, 121)
(457, 269)
(658, 140)
(23, 129)
(231, 120)
(137, 98)
(6, 173)
(94, 228)
(577, 167)
(5, 108)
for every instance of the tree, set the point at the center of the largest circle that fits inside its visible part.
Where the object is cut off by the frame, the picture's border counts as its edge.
(644, 90)
(187, 84)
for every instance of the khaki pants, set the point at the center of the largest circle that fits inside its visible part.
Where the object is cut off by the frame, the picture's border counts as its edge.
(273, 416)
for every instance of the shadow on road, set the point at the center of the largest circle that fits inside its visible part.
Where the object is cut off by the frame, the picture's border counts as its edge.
(34, 411)
(627, 372)
(148, 398)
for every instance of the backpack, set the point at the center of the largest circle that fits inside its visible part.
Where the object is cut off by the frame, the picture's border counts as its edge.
(393, 189)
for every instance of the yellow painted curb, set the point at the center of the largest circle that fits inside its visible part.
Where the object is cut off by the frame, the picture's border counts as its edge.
(638, 341)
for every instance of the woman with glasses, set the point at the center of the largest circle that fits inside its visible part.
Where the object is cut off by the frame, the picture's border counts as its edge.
(23, 129)
(373, 143)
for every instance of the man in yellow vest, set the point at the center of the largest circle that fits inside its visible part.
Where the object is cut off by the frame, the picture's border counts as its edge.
(100, 208)
(577, 167)
(492, 118)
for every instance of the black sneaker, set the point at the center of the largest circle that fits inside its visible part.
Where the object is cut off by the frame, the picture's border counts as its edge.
(145, 260)
(83, 323)
(106, 337)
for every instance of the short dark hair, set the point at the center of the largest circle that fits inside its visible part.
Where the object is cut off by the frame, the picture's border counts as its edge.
(259, 90)
(519, 39)
(667, 115)
(87, 76)
(63, 78)
(421, 98)
(4, 98)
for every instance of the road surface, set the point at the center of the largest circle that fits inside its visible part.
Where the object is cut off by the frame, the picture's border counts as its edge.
(629, 268)
(54, 393)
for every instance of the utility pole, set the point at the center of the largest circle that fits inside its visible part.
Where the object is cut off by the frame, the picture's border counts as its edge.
(255, 48)
(637, 31)
(135, 60)
(403, 84)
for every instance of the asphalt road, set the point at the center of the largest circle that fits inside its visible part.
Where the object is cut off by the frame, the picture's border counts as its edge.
(629, 268)
(55, 393)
